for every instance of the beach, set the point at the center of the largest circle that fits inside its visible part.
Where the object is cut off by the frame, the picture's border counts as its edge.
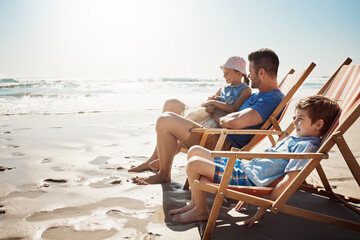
(66, 147)
(66, 177)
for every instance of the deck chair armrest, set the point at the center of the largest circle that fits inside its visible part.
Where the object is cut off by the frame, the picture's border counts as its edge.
(208, 130)
(250, 155)
(200, 130)
(253, 132)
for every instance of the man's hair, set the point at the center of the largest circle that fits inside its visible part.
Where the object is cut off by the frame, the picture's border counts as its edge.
(320, 107)
(267, 59)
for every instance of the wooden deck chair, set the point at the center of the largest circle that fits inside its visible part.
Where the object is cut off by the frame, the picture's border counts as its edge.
(345, 88)
(289, 85)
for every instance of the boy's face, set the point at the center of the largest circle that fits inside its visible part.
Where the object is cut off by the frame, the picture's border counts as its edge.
(303, 126)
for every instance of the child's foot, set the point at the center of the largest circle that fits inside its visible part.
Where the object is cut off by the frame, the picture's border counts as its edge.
(184, 209)
(154, 165)
(140, 168)
(192, 215)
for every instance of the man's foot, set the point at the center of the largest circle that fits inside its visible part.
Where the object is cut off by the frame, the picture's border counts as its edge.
(192, 215)
(140, 168)
(155, 179)
(184, 209)
(155, 165)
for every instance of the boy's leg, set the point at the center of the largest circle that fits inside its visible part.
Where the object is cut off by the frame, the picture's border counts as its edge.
(197, 167)
(195, 151)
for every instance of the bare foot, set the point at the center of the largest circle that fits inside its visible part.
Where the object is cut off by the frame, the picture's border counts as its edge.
(139, 180)
(140, 168)
(192, 215)
(154, 179)
(186, 208)
(155, 165)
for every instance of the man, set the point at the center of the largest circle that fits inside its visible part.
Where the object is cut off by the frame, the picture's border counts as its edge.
(171, 127)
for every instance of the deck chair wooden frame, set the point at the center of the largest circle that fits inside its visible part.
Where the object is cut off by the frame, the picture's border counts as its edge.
(346, 89)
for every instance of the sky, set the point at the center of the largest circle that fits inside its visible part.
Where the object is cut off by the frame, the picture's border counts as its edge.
(168, 38)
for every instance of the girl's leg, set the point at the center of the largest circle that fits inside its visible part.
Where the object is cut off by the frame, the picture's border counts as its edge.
(171, 105)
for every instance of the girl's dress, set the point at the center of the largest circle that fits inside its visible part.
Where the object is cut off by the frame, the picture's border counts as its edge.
(228, 95)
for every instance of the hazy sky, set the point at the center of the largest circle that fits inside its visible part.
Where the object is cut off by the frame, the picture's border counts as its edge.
(168, 38)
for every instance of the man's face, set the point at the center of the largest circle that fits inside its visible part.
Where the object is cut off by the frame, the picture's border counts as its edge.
(255, 80)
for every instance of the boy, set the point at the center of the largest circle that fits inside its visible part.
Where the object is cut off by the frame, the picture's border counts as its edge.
(313, 118)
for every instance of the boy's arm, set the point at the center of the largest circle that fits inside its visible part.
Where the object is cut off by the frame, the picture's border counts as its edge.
(276, 192)
(231, 107)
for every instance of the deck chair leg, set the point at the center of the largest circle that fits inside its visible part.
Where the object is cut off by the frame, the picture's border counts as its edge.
(186, 185)
(323, 178)
(213, 216)
(220, 194)
(349, 158)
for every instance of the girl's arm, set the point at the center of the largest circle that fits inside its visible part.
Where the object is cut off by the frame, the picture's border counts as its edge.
(231, 107)
(215, 97)
(276, 192)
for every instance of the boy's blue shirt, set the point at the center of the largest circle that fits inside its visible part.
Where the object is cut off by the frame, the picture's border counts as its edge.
(263, 171)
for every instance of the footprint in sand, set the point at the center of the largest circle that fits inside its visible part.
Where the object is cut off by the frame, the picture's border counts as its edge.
(11, 146)
(55, 180)
(2, 168)
(100, 160)
(17, 154)
(1, 210)
(105, 183)
(58, 168)
(45, 160)
(112, 145)
(66, 232)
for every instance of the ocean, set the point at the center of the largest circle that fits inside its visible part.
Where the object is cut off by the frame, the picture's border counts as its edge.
(49, 96)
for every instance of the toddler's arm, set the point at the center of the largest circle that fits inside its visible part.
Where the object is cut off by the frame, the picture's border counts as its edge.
(230, 107)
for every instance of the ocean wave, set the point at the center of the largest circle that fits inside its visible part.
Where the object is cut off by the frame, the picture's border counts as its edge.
(29, 94)
(187, 80)
(8, 80)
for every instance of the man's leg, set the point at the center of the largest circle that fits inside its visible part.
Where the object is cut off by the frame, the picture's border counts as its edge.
(170, 128)
(171, 105)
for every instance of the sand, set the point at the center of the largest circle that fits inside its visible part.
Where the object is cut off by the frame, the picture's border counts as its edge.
(65, 177)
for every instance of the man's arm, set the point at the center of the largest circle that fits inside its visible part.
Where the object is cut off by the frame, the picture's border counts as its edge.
(276, 192)
(238, 120)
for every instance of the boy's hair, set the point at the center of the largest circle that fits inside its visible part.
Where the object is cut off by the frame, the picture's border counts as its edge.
(320, 107)
(267, 59)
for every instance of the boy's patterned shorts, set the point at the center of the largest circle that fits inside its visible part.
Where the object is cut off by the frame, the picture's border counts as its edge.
(238, 177)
